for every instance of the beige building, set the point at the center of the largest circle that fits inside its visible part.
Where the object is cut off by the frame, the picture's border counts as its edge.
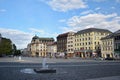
(107, 46)
(70, 44)
(88, 42)
(110, 46)
(38, 46)
(52, 49)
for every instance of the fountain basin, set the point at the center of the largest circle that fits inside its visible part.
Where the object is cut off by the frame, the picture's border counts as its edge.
(40, 70)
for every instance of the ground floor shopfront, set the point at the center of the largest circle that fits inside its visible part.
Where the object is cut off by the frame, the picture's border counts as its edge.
(86, 54)
(38, 54)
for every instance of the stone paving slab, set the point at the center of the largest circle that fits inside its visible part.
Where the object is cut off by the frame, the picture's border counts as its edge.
(65, 71)
(107, 78)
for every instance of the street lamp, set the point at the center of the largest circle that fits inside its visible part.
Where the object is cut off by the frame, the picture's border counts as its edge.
(65, 52)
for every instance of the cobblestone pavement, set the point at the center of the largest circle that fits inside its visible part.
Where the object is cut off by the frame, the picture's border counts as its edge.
(66, 70)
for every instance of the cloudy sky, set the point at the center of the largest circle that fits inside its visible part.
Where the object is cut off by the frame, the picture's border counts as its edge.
(20, 20)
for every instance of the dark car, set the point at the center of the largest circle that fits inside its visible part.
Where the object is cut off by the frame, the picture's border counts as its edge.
(109, 58)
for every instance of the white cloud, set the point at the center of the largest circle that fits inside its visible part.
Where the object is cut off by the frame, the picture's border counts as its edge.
(3, 10)
(110, 22)
(37, 30)
(86, 12)
(42, 33)
(118, 1)
(19, 38)
(62, 20)
(112, 7)
(98, 8)
(66, 5)
(99, 0)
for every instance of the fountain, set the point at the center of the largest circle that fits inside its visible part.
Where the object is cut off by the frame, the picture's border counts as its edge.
(44, 68)
(20, 58)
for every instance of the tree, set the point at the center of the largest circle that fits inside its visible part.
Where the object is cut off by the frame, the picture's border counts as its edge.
(5, 46)
(17, 53)
(14, 49)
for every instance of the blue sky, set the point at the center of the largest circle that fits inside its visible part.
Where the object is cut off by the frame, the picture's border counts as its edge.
(20, 20)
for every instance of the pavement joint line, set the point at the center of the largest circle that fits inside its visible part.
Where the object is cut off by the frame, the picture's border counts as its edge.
(107, 78)
(55, 65)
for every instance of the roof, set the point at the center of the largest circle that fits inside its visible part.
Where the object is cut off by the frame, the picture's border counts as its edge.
(117, 33)
(63, 35)
(93, 30)
(108, 37)
(42, 38)
(35, 37)
(112, 35)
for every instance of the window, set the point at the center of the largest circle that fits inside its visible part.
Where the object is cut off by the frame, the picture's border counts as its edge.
(80, 39)
(95, 43)
(89, 33)
(89, 43)
(89, 38)
(89, 48)
(80, 44)
(83, 43)
(98, 43)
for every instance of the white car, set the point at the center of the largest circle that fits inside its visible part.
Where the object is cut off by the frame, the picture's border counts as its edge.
(60, 55)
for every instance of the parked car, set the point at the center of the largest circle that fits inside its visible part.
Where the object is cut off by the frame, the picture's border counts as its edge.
(109, 58)
(60, 55)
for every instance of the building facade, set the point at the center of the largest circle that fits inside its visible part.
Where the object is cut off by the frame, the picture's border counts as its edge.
(52, 49)
(65, 43)
(62, 42)
(117, 44)
(111, 45)
(107, 46)
(88, 42)
(70, 44)
(38, 46)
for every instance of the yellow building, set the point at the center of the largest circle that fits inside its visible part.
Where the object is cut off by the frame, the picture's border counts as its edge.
(38, 46)
(88, 42)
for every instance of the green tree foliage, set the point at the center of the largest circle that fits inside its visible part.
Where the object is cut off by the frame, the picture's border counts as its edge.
(14, 49)
(5, 46)
(18, 52)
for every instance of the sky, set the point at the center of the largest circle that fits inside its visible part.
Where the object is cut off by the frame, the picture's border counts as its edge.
(20, 20)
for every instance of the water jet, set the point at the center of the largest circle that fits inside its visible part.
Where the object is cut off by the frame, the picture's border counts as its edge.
(45, 68)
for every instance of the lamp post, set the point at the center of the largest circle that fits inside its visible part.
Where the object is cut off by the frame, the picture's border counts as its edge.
(85, 54)
(65, 52)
